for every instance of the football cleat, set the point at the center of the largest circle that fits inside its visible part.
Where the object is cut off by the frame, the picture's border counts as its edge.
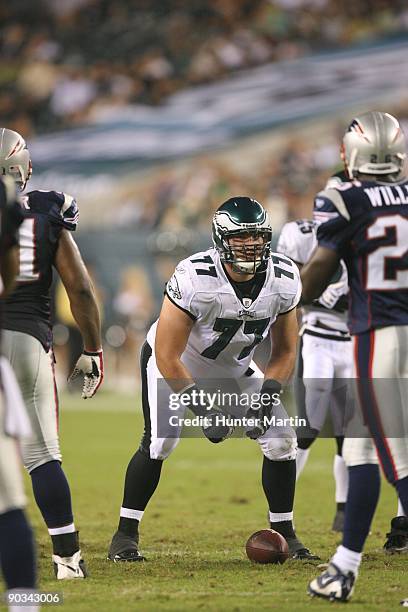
(338, 521)
(68, 568)
(297, 550)
(333, 584)
(397, 538)
(124, 548)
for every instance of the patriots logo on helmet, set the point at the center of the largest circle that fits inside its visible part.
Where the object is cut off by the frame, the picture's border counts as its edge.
(355, 127)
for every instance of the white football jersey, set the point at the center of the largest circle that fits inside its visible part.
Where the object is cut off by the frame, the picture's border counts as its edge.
(227, 330)
(298, 240)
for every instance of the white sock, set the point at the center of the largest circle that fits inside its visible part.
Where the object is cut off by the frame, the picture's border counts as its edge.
(340, 473)
(60, 530)
(400, 511)
(131, 514)
(278, 517)
(301, 457)
(347, 560)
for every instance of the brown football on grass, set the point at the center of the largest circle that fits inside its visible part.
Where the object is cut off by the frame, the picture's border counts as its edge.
(267, 546)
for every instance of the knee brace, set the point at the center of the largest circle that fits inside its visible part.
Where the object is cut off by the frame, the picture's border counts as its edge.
(161, 448)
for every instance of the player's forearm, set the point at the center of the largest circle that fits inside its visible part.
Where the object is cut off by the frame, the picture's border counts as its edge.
(281, 366)
(313, 282)
(316, 274)
(174, 371)
(86, 314)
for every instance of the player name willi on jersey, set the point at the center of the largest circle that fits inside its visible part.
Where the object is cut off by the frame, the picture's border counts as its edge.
(390, 195)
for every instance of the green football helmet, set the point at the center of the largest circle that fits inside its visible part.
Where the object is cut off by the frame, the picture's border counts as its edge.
(242, 218)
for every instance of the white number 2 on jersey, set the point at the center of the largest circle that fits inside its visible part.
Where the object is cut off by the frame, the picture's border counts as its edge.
(27, 267)
(376, 261)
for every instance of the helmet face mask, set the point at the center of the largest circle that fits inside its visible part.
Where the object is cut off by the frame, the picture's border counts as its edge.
(247, 250)
(14, 157)
(242, 234)
(374, 144)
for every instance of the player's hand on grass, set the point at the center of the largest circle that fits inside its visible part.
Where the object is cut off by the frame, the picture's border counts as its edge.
(269, 394)
(90, 364)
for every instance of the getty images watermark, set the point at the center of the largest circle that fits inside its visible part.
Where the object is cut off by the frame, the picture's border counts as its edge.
(358, 408)
(204, 407)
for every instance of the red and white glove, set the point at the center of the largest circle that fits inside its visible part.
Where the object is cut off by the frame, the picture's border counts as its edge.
(90, 364)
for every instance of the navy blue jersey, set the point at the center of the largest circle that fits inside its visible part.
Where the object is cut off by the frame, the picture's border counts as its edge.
(366, 223)
(28, 308)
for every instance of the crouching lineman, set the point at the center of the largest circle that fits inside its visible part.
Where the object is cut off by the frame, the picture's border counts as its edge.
(17, 554)
(367, 227)
(219, 305)
(45, 242)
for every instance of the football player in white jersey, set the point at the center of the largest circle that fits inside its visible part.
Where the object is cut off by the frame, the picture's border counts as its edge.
(325, 358)
(218, 306)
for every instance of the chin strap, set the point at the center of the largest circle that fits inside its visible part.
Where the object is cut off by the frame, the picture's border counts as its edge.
(238, 270)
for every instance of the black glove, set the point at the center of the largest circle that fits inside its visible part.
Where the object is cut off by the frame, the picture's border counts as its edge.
(269, 395)
(213, 431)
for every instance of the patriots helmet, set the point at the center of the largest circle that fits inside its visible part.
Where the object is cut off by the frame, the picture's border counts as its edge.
(242, 234)
(374, 143)
(14, 157)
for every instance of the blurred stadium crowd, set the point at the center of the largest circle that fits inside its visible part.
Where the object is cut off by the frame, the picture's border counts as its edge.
(180, 197)
(64, 59)
(284, 178)
(173, 207)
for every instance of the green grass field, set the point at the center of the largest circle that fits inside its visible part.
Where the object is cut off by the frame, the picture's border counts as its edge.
(193, 534)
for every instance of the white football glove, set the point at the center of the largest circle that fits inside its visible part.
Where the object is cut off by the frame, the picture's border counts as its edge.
(331, 295)
(90, 364)
(335, 291)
